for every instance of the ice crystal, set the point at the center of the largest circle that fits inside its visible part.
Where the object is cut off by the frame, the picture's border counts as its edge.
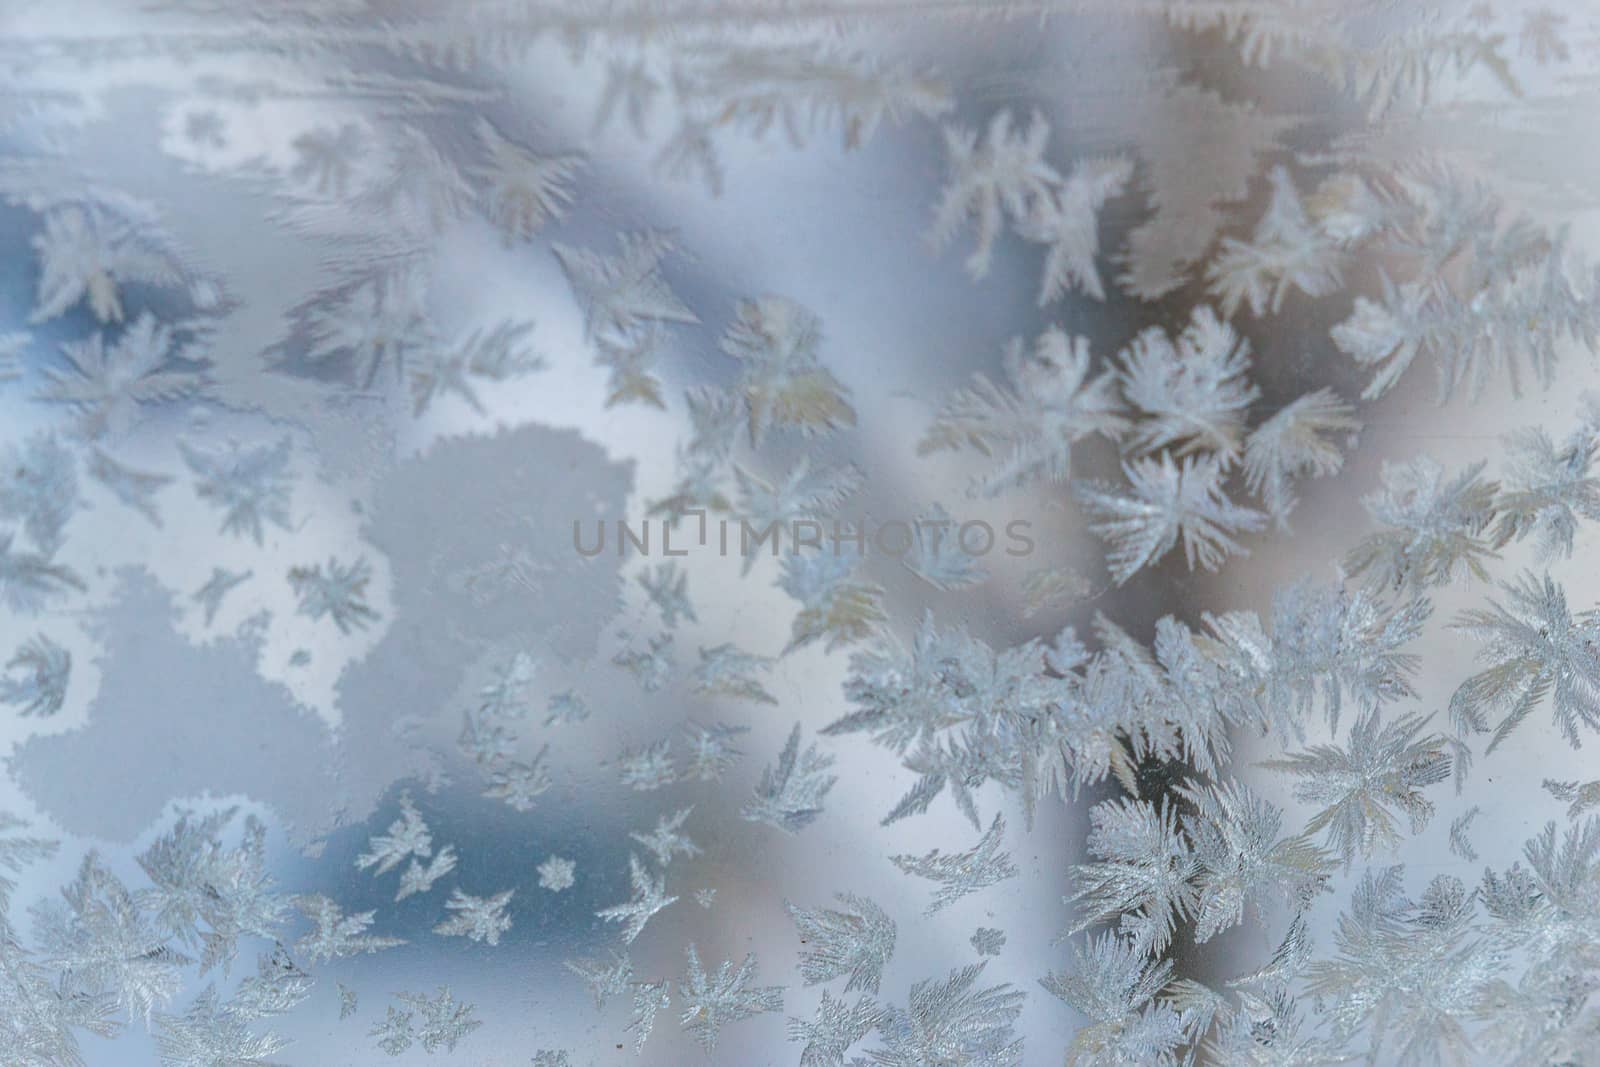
(210, 1034)
(382, 319)
(800, 494)
(1240, 858)
(836, 1026)
(133, 487)
(790, 793)
(1053, 587)
(1581, 797)
(407, 836)
(102, 942)
(86, 253)
(523, 191)
(1002, 174)
(1191, 395)
(620, 294)
(1547, 490)
(1535, 649)
(476, 918)
(782, 382)
(667, 839)
(105, 382)
(1287, 250)
(631, 361)
(1116, 986)
(551, 1058)
(856, 940)
(250, 483)
(36, 677)
(668, 588)
(349, 1002)
(953, 1022)
(604, 978)
(207, 895)
(727, 671)
(987, 941)
(938, 555)
(1143, 876)
(649, 998)
(1166, 501)
(1459, 845)
(494, 356)
(710, 1001)
(28, 580)
(834, 604)
(556, 874)
(711, 750)
(39, 489)
(1065, 220)
(649, 896)
(339, 592)
(1048, 404)
(278, 986)
(443, 1021)
(1383, 767)
(961, 873)
(567, 707)
(334, 934)
(1434, 528)
(652, 666)
(648, 768)
(1294, 444)
(519, 783)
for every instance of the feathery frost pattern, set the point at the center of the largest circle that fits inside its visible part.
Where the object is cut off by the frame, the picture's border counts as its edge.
(329, 338)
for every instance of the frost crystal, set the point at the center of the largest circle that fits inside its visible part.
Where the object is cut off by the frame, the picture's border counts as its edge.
(619, 294)
(782, 382)
(41, 670)
(960, 873)
(1381, 767)
(1002, 174)
(857, 940)
(1286, 251)
(1165, 502)
(835, 1028)
(1116, 985)
(39, 489)
(337, 935)
(952, 1022)
(1293, 444)
(250, 483)
(668, 588)
(1434, 528)
(1535, 648)
(667, 840)
(523, 190)
(790, 794)
(604, 978)
(338, 593)
(649, 897)
(725, 996)
(1192, 395)
(1048, 404)
(556, 874)
(834, 605)
(648, 768)
(729, 672)
(419, 879)
(133, 487)
(407, 836)
(476, 918)
(987, 941)
(106, 383)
